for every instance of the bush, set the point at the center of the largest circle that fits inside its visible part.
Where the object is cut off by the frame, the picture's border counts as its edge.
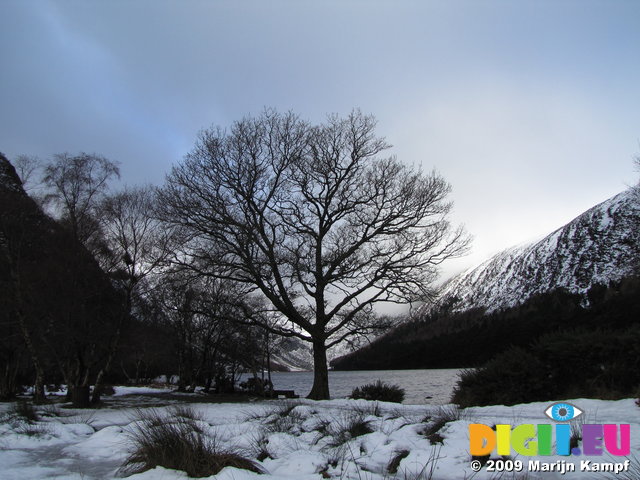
(256, 386)
(179, 444)
(379, 391)
(570, 364)
(107, 390)
(512, 377)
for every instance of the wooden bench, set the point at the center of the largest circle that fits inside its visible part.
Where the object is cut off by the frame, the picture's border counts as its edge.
(285, 394)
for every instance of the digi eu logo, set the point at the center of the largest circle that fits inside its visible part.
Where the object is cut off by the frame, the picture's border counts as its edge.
(530, 440)
(563, 412)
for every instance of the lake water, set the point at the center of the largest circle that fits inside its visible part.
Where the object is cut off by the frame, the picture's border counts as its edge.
(433, 386)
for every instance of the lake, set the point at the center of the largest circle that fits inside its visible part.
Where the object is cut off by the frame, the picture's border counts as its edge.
(428, 386)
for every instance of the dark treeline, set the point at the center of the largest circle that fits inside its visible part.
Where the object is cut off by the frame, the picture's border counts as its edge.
(272, 228)
(470, 339)
(91, 295)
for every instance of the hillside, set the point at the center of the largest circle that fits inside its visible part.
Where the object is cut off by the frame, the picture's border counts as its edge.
(598, 246)
(583, 274)
(57, 304)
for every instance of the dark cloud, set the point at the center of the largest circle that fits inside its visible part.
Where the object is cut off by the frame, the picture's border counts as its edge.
(530, 109)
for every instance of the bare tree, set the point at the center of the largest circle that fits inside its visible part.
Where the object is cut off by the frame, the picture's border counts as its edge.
(63, 303)
(138, 242)
(75, 185)
(315, 220)
(209, 341)
(27, 168)
(137, 247)
(17, 265)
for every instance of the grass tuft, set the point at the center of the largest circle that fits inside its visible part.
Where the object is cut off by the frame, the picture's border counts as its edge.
(369, 408)
(32, 430)
(395, 461)
(439, 419)
(259, 446)
(633, 473)
(178, 445)
(349, 426)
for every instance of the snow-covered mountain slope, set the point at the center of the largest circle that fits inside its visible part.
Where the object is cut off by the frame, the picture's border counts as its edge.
(601, 245)
(294, 354)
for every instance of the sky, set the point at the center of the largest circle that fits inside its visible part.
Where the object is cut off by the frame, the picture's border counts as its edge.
(529, 109)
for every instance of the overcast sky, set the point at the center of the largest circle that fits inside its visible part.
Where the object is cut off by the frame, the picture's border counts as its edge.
(530, 109)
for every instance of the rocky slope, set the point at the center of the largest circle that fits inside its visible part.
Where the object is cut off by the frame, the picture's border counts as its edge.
(601, 245)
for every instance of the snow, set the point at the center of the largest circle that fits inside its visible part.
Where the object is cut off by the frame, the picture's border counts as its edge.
(76, 445)
(139, 390)
(593, 248)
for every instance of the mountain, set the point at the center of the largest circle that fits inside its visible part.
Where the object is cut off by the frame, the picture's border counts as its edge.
(598, 246)
(292, 355)
(295, 355)
(55, 301)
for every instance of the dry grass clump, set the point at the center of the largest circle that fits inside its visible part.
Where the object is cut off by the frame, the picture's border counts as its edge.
(177, 442)
(349, 426)
(441, 417)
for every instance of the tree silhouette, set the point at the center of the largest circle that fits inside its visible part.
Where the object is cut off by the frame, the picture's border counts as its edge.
(314, 220)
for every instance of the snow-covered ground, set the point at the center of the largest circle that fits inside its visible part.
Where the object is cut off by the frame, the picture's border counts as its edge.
(305, 440)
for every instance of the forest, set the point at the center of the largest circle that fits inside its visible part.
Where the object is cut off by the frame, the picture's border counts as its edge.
(471, 338)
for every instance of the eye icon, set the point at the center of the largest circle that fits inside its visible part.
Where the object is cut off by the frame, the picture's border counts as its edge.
(562, 412)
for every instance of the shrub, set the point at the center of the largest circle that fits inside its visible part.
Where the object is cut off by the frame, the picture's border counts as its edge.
(283, 423)
(379, 391)
(178, 445)
(515, 376)
(568, 364)
(107, 390)
(372, 409)
(256, 386)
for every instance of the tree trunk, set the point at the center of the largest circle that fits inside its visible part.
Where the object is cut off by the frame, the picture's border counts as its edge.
(38, 388)
(97, 388)
(113, 347)
(270, 384)
(80, 396)
(320, 389)
(8, 381)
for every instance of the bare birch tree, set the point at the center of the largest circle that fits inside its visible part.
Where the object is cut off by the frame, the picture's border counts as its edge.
(75, 184)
